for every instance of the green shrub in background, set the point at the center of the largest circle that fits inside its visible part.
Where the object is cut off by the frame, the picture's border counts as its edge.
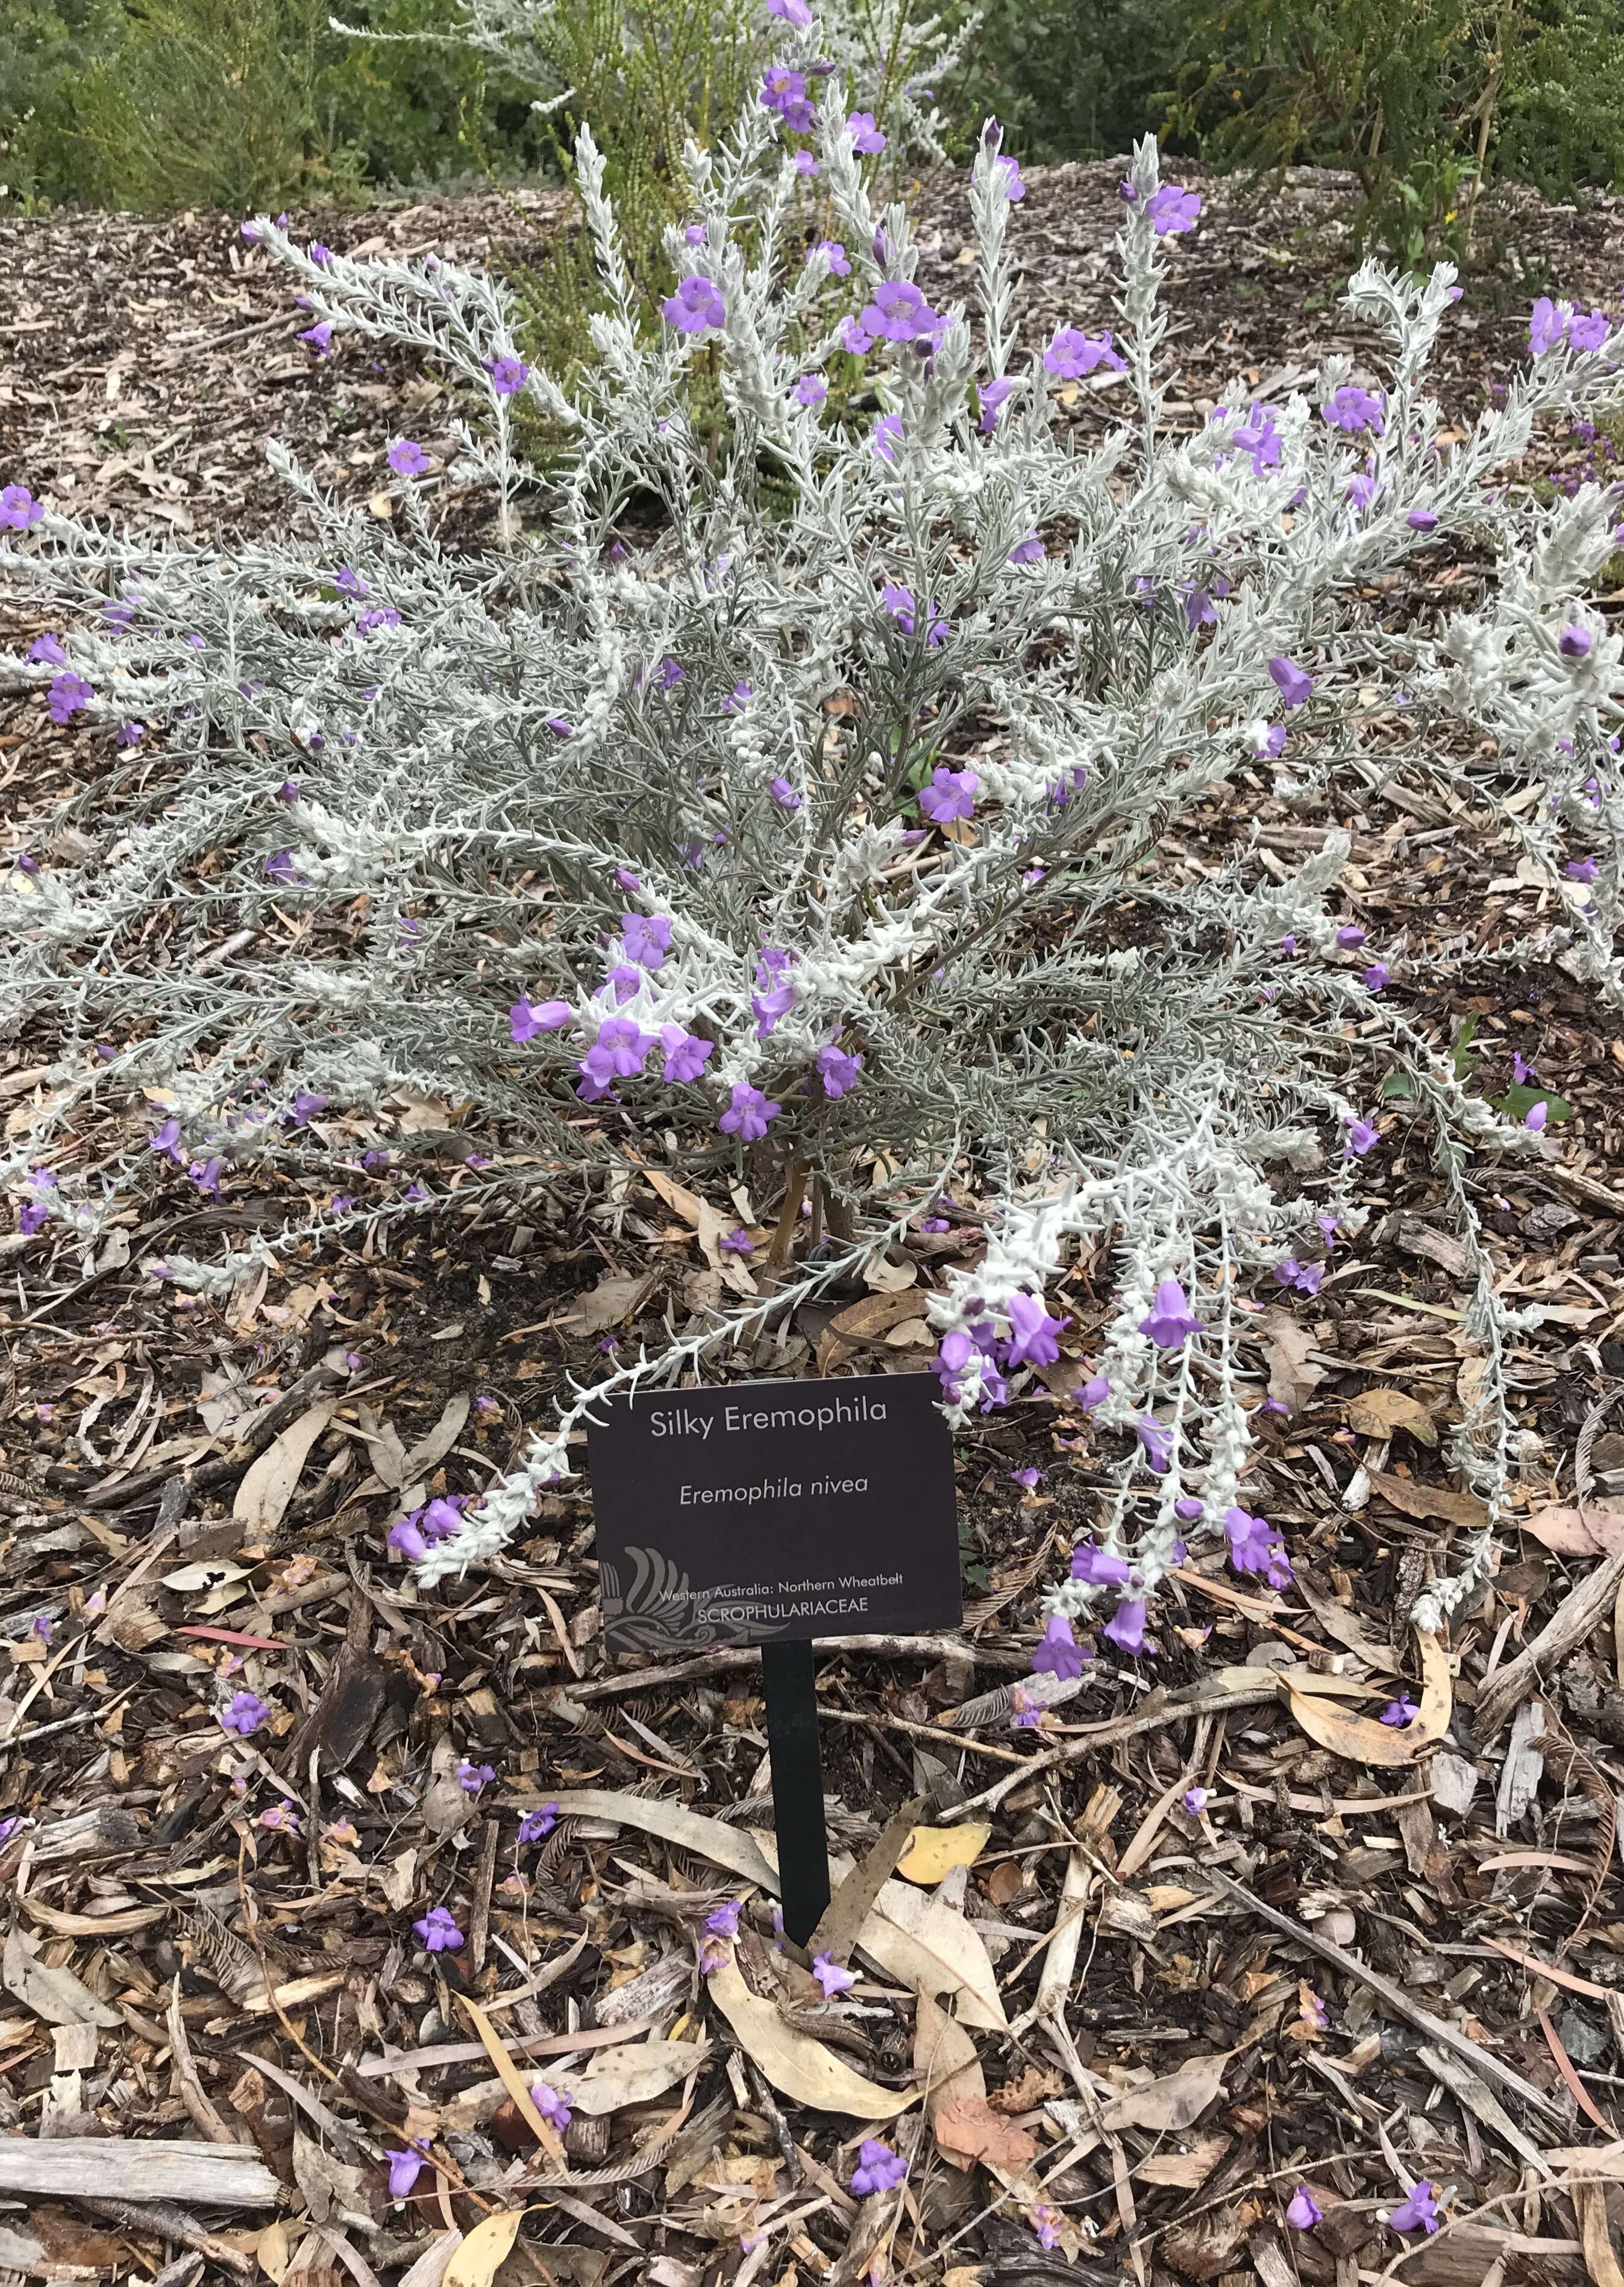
(1426, 100)
(1076, 79)
(162, 103)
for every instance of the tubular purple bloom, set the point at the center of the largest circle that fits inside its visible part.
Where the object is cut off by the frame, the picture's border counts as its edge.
(407, 1541)
(508, 372)
(1126, 1627)
(1353, 411)
(831, 1976)
(879, 2169)
(555, 2108)
(1007, 173)
(1170, 1322)
(1305, 2211)
(404, 2169)
(1377, 976)
(1058, 1654)
(838, 1071)
(319, 337)
(1421, 520)
(1536, 1116)
(473, 1778)
(696, 306)
(747, 1114)
(646, 938)
(1099, 1568)
(1399, 1712)
(1173, 209)
(437, 1931)
(1030, 551)
(525, 1020)
(737, 1242)
(1072, 354)
(1094, 1392)
(835, 255)
(990, 395)
(1156, 1442)
(1196, 1800)
(536, 1825)
(866, 137)
(792, 12)
(1419, 2212)
(70, 694)
(46, 650)
(897, 312)
(19, 509)
(1032, 1332)
(407, 459)
(1581, 869)
(950, 795)
(811, 390)
(245, 1714)
(1572, 643)
(1293, 683)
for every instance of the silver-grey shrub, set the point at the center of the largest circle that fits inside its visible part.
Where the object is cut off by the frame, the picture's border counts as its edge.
(471, 783)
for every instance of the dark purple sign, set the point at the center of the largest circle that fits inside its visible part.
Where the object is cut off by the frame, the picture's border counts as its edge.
(775, 1511)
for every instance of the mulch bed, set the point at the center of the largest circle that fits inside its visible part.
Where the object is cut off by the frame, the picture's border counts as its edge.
(1342, 1972)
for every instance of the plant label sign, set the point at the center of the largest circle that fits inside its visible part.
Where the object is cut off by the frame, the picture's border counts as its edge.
(774, 1512)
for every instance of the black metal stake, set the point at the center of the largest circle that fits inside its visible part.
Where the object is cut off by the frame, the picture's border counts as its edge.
(797, 1787)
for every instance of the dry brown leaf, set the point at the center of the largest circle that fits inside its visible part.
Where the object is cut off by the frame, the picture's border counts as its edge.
(677, 1196)
(933, 1852)
(793, 2063)
(634, 2075)
(273, 2253)
(1362, 1739)
(923, 1941)
(945, 2060)
(487, 2248)
(1423, 1501)
(1292, 1380)
(969, 2127)
(1183, 2171)
(267, 1483)
(56, 1995)
(872, 1317)
(888, 1278)
(1595, 1530)
(608, 1304)
(1176, 2101)
(1379, 1413)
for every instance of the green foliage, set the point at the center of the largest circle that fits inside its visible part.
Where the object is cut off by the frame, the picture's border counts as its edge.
(1427, 100)
(1075, 79)
(239, 103)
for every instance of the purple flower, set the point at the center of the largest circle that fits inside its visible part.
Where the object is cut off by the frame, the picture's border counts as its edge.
(380, 616)
(131, 734)
(1196, 1800)
(407, 459)
(935, 1223)
(167, 1140)
(866, 137)
(950, 795)
(1521, 1072)
(1419, 519)
(1058, 1654)
(1362, 490)
(1032, 1332)
(70, 694)
(1305, 2211)
(305, 1107)
(1362, 1134)
(8, 1827)
(45, 651)
(1377, 976)
(879, 2169)
(792, 12)
(835, 254)
(837, 1070)
(747, 1114)
(1094, 1392)
(1071, 354)
(1099, 1568)
(406, 1541)
(1255, 1546)
(1156, 1442)
(1572, 643)
(811, 389)
(696, 306)
(319, 337)
(1030, 551)
(508, 372)
(404, 2169)
(1419, 2212)
(1170, 1322)
(1581, 869)
(560, 726)
(1587, 331)
(725, 1921)
(737, 1242)
(1198, 611)
(554, 2109)
(1172, 209)
(1536, 1116)
(780, 88)
(245, 1714)
(350, 583)
(1399, 1712)
(1007, 174)
(618, 1053)
(473, 1778)
(1126, 1627)
(19, 509)
(437, 1931)
(1030, 1479)
(991, 395)
(1048, 2223)
(783, 794)
(527, 1018)
(646, 938)
(279, 1819)
(1353, 411)
(831, 1976)
(897, 312)
(1293, 684)
(536, 1825)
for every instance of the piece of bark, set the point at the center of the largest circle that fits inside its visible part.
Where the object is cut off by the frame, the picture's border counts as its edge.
(1569, 1625)
(87, 1834)
(214, 2175)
